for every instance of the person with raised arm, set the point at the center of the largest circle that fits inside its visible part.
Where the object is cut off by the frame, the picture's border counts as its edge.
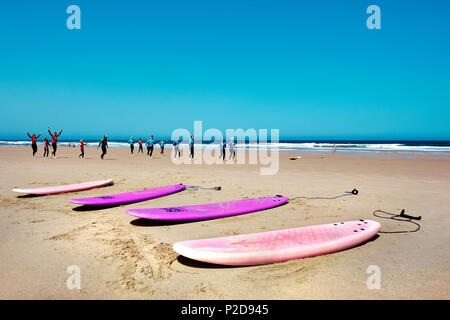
(131, 142)
(34, 142)
(223, 145)
(54, 140)
(82, 144)
(150, 143)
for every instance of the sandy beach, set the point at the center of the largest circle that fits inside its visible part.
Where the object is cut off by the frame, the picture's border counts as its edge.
(121, 257)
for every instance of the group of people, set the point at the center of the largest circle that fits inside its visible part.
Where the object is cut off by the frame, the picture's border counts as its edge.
(149, 143)
(54, 136)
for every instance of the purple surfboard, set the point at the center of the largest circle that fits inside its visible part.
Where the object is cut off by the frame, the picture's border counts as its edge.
(129, 197)
(209, 210)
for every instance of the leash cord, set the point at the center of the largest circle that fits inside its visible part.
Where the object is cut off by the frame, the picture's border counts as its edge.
(347, 193)
(195, 188)
(398, 217)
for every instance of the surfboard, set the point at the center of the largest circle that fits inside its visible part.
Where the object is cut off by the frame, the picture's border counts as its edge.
(65, 188)
(209, 210)
(129, 197)
(279, 245)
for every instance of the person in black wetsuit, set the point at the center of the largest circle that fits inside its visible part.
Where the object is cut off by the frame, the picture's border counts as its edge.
(46, 147)
(82, 144)
(104, 145)
(150, 143)
(175, 144)
(232, 146)
(162, 143)
(191, 147)
(34, 142)
(223, 145)
(140, 146)
(54, 140)
(131, 142)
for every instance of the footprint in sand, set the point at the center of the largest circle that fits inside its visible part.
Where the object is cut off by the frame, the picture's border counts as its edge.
(71, 235)
(293, 268)
(162, 256)
(135, 272)
(204, 287)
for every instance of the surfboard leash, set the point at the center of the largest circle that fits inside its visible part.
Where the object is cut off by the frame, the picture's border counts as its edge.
(398, 217)
(195, 188)
(345, 194)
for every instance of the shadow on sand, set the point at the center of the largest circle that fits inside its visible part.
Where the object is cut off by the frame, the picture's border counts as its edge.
(25, 196)
(85, 208)
(204, 265)
(157, 223)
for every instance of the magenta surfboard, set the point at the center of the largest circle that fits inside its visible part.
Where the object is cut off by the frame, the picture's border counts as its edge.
(129, 197)
(65, 188)
(279, 245)
(209, 210)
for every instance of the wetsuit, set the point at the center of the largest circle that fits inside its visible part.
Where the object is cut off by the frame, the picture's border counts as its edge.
(82, 150)
(104, 145)
(232, 150)
(33, 143)
(54, 141)
(222, 150)
(161, 143)
(191, 147)
(131, 142)
(177, 150)
(140, 146)
(46, 145)
(150, 143)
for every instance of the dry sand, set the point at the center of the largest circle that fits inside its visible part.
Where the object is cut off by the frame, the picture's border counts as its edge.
(121, 257)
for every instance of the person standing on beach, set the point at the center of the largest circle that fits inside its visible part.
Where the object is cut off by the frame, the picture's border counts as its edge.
(223, 145)
(191, 147)
(162, 143)
(232, 150)
(150, 143)
(34, 142)
(177, 149)
(82, 144)
(104, 144)
(46, 147)
(131, 142)
(141, 150)
(334, 147)
(54, 140)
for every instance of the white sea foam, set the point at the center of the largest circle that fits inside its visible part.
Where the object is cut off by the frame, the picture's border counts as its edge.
(281, 146)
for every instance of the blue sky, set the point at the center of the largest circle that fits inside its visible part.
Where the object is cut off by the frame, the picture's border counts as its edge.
(309, 68)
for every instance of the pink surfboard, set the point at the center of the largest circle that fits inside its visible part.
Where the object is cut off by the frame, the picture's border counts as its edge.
(129, 197)
(209, 210)
(280, 245)
(66, 188)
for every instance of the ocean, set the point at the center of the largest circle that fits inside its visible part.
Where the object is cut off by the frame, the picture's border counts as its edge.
(353, 146)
